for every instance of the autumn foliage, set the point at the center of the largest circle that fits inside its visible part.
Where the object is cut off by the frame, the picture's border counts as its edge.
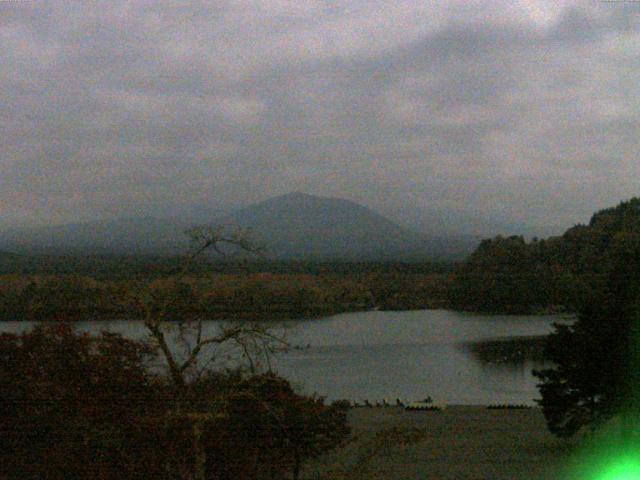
(74, 406)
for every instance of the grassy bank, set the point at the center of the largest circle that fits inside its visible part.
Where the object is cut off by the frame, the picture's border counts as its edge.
(461, 442)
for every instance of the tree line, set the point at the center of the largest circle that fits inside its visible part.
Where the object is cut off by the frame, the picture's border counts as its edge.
(510, 275)
(217, 296)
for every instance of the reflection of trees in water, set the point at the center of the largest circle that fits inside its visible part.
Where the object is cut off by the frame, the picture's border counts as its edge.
(512, 351)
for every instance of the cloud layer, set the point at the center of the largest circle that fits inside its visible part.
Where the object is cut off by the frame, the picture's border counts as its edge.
(524, 109)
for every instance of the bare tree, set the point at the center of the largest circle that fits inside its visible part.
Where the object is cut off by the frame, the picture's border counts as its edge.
(254, 340)
(303, 427)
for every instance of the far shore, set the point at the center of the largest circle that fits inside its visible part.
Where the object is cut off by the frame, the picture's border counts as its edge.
(277, 316)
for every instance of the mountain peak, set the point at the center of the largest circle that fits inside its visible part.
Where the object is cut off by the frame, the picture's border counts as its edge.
(298, 195)
(304, 226)
(301, 199)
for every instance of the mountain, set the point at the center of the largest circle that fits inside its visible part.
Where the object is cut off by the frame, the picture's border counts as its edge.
(124, 235)
(8, 257)
(291, 226)
(302, 226)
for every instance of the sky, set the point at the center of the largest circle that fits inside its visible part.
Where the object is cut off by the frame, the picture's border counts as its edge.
(527, 111)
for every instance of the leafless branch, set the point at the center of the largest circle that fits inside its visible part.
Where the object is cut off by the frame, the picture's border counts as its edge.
(249, 337)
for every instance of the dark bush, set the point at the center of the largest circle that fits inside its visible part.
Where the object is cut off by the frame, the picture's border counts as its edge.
(79, 407)
(72, 406)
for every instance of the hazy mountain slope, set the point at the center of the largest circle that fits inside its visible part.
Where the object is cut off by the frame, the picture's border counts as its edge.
(291, 226)
(129, 235)
(298, 225)
(7, 258)
(457, 223)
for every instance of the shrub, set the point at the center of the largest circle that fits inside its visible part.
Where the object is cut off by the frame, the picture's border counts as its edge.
(74, 406)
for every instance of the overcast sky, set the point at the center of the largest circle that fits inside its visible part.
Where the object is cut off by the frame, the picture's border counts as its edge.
(527, 110)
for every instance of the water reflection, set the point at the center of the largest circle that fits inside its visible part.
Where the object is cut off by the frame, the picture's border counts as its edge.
(454, 358)
(511, 351)
(410, 355)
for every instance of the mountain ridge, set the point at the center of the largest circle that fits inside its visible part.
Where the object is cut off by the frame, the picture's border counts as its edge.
(295, 225)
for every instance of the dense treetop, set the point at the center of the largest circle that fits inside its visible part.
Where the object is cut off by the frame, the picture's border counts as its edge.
(508, 274)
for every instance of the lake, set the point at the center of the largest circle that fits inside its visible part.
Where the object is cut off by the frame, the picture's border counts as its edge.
(407, 355)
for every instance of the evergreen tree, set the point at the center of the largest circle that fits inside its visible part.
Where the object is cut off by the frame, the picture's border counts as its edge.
(596, 360)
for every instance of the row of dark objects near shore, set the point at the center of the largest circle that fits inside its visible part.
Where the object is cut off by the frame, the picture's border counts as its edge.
(508, 406)
(385, 403)
(428, 405)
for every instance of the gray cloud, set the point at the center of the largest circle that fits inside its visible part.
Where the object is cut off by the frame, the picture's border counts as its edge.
(527, 109)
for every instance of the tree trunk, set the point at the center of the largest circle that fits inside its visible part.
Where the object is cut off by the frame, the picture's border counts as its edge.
(296, 466)
(199, 453)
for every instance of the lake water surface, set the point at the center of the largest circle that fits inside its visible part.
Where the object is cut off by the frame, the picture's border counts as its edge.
(407, 355)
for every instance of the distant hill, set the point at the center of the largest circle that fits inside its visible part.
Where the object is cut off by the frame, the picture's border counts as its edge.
(126, 235)
(450, 222)
(8, 256)
(9, 261)
(291, 226)
(302, 226)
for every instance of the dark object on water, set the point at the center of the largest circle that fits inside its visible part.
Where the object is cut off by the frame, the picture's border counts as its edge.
(424, 406)
(509, 407)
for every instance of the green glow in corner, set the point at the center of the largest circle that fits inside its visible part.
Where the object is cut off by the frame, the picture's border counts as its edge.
(609, 455)
(627, 468)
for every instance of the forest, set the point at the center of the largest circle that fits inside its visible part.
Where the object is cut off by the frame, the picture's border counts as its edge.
(510, 275)
(258, 295)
